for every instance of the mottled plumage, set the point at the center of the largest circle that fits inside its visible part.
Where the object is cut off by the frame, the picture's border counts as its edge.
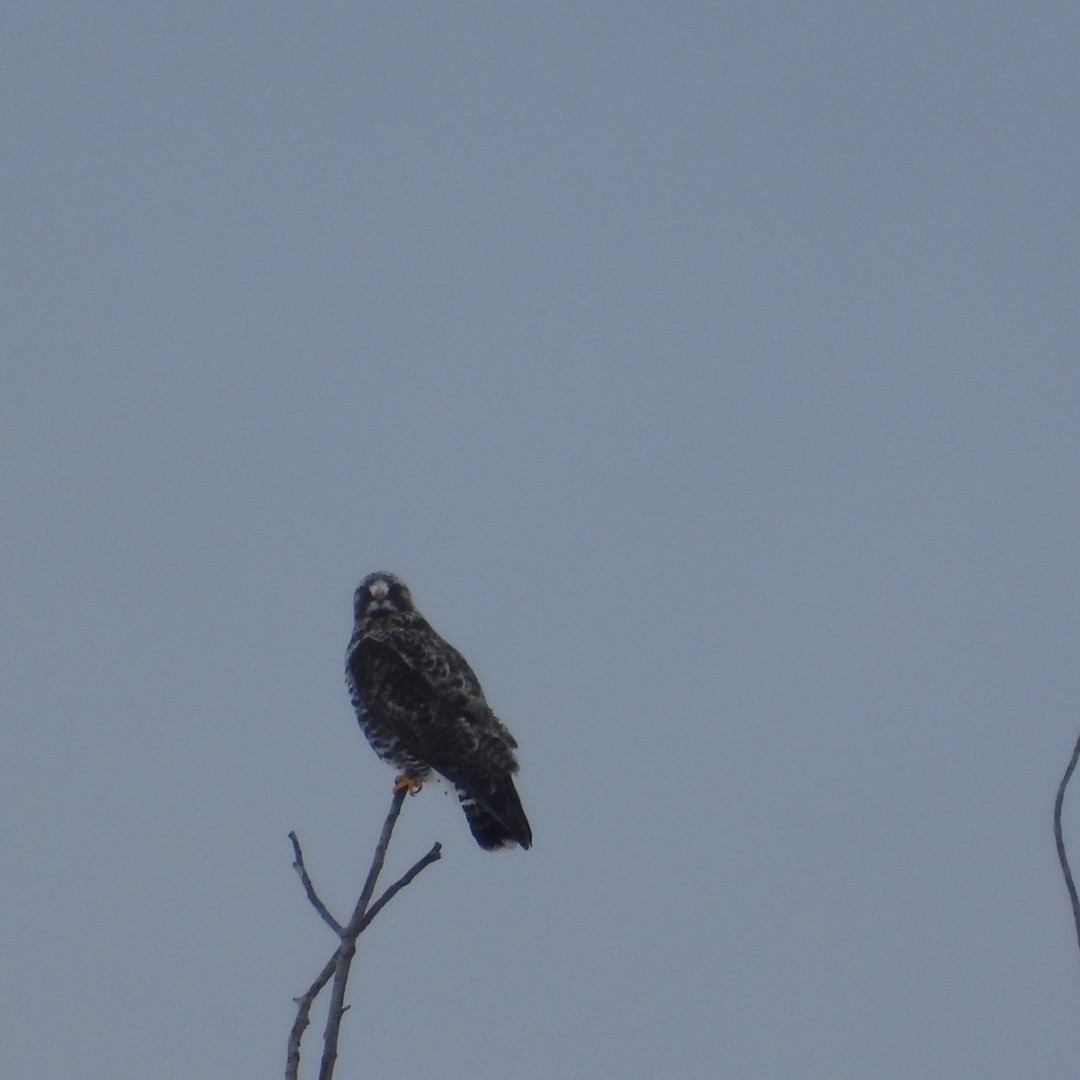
(423, 711)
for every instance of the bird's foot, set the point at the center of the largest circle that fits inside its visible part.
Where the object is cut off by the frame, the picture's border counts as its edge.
(408, 784)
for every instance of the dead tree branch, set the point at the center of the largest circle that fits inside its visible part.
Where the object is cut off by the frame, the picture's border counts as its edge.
(312, 895)
(340, 963)
(303, 1018)
(1060, 841)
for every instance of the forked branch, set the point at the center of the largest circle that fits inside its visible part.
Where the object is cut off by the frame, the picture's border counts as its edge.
(340, 963)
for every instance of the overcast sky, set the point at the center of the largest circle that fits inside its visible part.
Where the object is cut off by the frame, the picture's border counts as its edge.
(711, 372)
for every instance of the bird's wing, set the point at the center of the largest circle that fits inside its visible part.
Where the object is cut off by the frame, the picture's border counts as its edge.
(443, 668)
(472, 735)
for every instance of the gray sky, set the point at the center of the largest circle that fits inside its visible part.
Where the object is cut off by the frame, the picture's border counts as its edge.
(711, 374)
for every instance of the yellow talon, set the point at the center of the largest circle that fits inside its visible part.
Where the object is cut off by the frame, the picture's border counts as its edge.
(409, 784)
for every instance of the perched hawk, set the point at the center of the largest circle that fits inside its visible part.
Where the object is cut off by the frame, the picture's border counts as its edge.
(422, 709)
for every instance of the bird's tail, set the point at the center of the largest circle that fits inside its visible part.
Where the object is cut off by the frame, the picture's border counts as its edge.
(494, 813)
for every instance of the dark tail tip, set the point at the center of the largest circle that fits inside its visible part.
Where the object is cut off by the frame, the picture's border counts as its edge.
(496, 818)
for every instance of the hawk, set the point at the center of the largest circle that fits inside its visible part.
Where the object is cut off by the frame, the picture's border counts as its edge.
(422, 710)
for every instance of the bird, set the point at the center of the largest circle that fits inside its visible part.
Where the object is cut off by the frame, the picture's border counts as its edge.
(423, 711)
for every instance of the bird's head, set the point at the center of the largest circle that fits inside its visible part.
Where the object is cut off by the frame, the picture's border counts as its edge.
(381, 593)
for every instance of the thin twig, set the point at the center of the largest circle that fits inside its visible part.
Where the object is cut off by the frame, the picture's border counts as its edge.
(434, 855)
(1059, 839)
(312, 895)
(303, 1014)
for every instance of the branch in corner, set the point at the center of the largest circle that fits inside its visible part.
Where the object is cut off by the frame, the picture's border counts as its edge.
(339, 964)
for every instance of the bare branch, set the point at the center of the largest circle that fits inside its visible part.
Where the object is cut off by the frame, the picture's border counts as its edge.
(434, 855)
(1060, 841)
(340, 963)
(303, 1014)
(312, 895)
(347, 948)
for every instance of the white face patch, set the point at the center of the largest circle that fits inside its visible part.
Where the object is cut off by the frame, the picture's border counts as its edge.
(379, 590)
